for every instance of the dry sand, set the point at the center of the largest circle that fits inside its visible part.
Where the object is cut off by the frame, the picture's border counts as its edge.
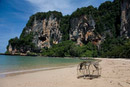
(115, 73)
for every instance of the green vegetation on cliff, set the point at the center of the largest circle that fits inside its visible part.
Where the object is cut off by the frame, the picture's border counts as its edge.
(111, 48)
(90, 10)
(43, 15)
(116, 48)
(107, 19)
(22, 44)
(64, 27)
(70, 49)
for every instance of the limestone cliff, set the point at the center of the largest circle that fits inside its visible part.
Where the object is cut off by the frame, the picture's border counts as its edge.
(40, 32)
(46, 32)
(125, 18)
(87, 24)
(82, 30)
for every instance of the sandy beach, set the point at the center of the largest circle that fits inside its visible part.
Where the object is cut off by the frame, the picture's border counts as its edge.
(115, 73)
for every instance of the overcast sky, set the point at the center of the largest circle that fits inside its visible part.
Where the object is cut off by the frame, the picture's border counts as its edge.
(14, 14)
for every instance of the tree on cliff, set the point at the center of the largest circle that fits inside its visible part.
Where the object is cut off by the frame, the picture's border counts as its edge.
(107, 18)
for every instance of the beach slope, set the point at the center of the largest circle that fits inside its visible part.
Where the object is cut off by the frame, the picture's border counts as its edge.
(115, 73)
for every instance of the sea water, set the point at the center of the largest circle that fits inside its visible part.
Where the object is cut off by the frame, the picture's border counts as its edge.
(23, 63)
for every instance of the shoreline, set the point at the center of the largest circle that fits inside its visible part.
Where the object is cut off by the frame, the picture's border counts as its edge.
(15, 54)
(18, 72)
(115, 73)
(63, 57)
(46, 56)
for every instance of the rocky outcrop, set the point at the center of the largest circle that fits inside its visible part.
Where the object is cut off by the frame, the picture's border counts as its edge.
(40, 33)
(125, 18)
(45, 32)
(44, 28)
(12, 50)
(82, 30)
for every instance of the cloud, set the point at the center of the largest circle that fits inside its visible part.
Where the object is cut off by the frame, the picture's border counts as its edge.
(46, 5)
(64, 6)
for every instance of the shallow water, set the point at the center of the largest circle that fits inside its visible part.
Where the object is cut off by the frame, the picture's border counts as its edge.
(16, 63)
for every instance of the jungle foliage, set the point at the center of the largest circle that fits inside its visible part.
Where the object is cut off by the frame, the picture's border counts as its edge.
(107, 18)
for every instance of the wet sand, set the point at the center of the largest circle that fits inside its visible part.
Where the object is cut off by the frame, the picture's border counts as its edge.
(115, 73)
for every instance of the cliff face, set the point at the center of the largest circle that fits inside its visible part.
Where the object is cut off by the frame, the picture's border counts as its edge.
(41, 34)
(125, 18)
(82, 30)
(105, 24)
(46, 32)
(44, 28)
